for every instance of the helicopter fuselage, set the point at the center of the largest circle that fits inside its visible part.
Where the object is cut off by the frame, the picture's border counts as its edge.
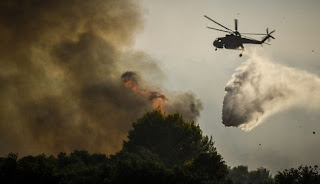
(228, 42)
(232, 41)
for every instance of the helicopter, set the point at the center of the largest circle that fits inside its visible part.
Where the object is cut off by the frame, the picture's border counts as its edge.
(235, 40)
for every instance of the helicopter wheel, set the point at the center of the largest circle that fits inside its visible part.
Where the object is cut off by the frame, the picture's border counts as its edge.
(216, 49)
(240, 55)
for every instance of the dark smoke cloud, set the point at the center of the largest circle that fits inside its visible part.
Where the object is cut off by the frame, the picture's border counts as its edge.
(58, 62)
(60, 68)
(260, 88)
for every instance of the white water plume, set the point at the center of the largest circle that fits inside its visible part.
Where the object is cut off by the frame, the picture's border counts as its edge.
(260, 88)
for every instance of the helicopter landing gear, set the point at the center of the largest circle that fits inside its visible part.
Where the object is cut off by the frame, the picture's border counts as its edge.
(242, 49)
(216, 49)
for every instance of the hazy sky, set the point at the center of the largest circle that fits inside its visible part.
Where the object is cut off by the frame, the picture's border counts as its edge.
(175, 34)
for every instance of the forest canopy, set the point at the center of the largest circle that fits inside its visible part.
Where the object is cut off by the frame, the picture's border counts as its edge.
(158, 149)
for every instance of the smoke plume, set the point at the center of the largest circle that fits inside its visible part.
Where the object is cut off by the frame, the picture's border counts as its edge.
(260, 88)
(60, 75)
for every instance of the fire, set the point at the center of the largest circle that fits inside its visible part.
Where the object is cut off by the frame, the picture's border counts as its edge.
(130, 84)
(130, 80)
(157, 100)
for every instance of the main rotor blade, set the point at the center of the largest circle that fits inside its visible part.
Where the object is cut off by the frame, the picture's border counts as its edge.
(236, 24)
(218, 23)
(253, 33)
(219, 30)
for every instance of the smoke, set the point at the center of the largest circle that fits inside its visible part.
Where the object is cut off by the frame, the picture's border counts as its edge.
(260, 88)
(184, 103)
(60, 75)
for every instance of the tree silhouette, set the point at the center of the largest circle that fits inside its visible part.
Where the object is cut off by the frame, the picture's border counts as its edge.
(301, 175)
(142, 166)
(170, 137)
(8, 168)
(159, 149)
(39, 169)
(82, 167)
(179, 145)
(241, 175)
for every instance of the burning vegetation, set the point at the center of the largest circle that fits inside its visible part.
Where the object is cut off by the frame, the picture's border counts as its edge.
(130, 80)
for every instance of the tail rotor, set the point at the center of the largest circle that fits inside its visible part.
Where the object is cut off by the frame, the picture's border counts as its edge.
(269, 34)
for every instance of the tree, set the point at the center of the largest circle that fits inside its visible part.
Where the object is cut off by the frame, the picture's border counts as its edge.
(37, 169)
(301, 175)
(8, 168)
(241, 175)
(82, 167)
(260, 176)
(142, 166)
(208, 167)
(179, 145)
(170, 137)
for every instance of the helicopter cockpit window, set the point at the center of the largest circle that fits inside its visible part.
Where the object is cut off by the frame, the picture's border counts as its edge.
(218, 40)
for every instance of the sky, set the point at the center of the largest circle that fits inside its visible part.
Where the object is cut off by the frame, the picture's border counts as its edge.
(67, 70)
(175, 34)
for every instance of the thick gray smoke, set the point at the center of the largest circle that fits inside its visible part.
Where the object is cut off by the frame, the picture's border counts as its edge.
(184, 103)
(60, 75)
(260, 88)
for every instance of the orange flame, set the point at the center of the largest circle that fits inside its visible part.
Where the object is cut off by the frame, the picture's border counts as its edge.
(156, 98)
(130, 84)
